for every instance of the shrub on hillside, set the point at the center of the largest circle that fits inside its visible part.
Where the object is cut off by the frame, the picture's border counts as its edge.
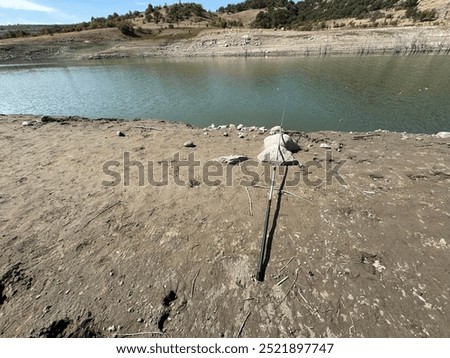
(126, 28)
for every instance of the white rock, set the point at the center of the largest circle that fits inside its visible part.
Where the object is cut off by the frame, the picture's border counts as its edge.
(225, 134)
(325, 146)
(239, 127)
(111, 329)
(277, 156)
(276, 129)
(443, 135)
(241, 135)
(231, 159)
(189, 144)
(233, 126)
(286, 142)
(26, 124)
(120, 134)
(223, 126)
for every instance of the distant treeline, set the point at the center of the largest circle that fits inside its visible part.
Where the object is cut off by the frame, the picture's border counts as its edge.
(304, 14)
(169, 14)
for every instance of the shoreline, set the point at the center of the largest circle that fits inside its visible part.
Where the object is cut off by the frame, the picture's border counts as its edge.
(38, 120)
(109, 43)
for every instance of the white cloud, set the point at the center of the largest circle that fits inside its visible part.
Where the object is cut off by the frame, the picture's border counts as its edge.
(24, 5)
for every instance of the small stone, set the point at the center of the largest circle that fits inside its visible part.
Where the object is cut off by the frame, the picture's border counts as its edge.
(225, 134)
(223, 126)
(443, 135)
(232, 126)
(120, 283)
(38, 297)
(140, 320)
(239, 127)
(241, 135)
(120, 134)
(325, 146)
(443, 242)
(130, 310)
(189, 144)
(111, 328)
(26, 124)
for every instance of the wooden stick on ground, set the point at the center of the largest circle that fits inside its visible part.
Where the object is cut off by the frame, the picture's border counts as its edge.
(243, 324)
(249, 201)
(149, 128)
(193, 283)
(139, 334)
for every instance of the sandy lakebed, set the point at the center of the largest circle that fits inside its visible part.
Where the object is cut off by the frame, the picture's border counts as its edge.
(360, 243)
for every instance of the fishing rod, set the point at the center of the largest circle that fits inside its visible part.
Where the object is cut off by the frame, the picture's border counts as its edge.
(265, 238)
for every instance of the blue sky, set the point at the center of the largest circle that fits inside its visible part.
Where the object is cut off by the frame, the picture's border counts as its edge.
(64, 11)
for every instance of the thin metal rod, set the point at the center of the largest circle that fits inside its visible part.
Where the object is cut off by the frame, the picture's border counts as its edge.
(264, 240)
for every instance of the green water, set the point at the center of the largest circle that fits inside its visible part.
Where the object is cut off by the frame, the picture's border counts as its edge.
(409, 94)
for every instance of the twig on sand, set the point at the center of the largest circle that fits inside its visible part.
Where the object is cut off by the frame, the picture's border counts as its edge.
(249, 201)
(281, 281)
(149, 128)
(290, 289)
(243, 324)
(139, 334)
(193, 283)
(293, 257)
(351, 327)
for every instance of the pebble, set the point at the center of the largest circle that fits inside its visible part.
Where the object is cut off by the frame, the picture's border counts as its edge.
(140, 320)
(189, 144)
(120, 134)
(443, 135)
(325, 146)
(241, 135)
(225, 134)
(111, 328)
(26, 124)
(239, 127)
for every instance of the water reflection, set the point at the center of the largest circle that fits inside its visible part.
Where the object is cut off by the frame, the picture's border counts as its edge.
(357, 93)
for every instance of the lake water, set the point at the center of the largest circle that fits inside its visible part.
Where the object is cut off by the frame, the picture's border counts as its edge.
(409, 94)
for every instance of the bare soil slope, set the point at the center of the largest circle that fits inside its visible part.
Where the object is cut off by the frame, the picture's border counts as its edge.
(364, 258)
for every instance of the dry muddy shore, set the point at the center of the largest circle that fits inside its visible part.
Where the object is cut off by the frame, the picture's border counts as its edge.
(360, 243)
(184, 42)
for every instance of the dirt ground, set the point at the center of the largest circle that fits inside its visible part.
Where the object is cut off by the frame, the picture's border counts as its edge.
(360, 244)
